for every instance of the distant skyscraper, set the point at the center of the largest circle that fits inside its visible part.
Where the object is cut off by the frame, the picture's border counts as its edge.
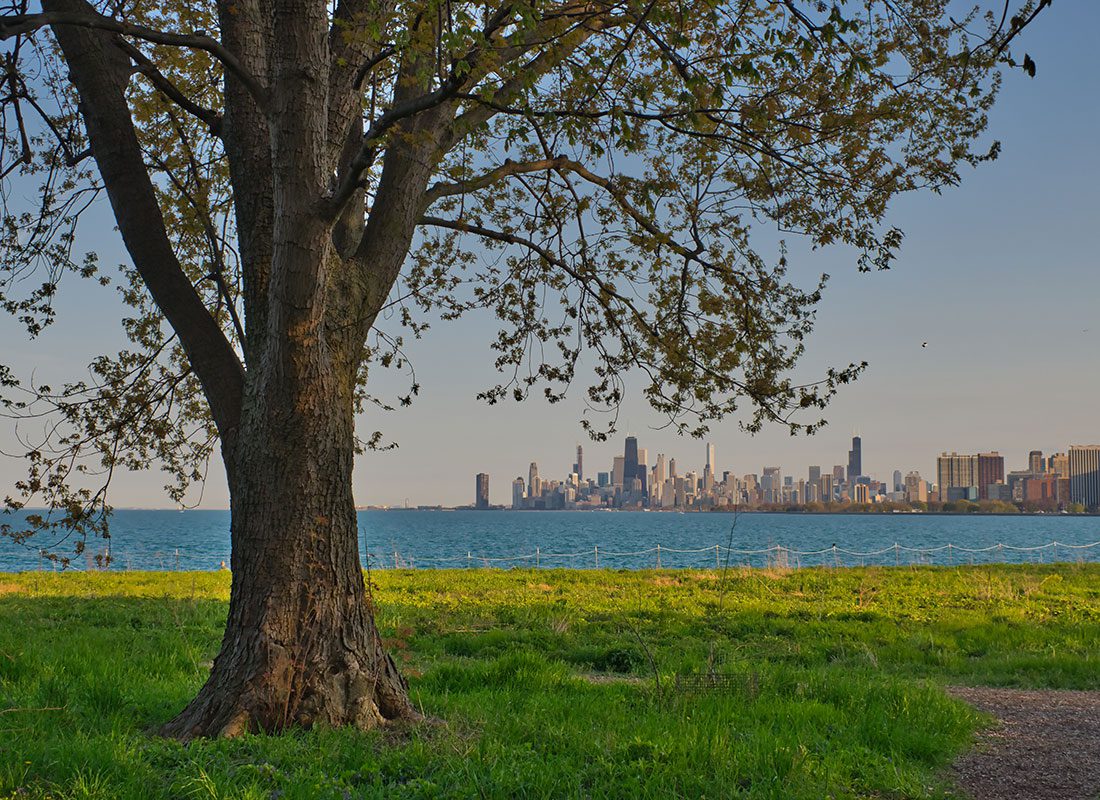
(672, 468)
(855, 459)
(1084, 475)
(862, 493)
(814, 475)
(916, 490)
(578, 467)
(771, 484)
(630, 460)
(956, 472)
(661, 469)
(991, 470)
(602, 479)
(534, 485)
(481, 499)
(518, 499)
(618, 471)
(1059, 464)
(838, 474)
(1035, 462)
(712, 462)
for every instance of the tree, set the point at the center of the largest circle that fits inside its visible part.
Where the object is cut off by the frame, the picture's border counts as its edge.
(286, 175)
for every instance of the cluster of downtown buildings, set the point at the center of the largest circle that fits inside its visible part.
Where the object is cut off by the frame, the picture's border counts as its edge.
(1061, 481)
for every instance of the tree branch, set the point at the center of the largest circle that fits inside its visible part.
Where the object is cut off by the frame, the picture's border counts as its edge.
(100, 72)
(439, 190)
(146, 67)
(604, 292)
(15, 24)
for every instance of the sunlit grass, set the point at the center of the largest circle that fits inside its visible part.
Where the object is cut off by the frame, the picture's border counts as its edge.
(554, 683)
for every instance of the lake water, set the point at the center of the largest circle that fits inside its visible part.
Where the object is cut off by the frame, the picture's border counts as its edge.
(199, 540)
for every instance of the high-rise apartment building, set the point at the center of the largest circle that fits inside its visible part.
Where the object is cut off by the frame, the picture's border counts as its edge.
(814, 474)
(518, 497)
(855, 459)
(838, 474)
(1058, 464)
(862, 493)
(481, 498)
(956, 472)
(899, 483)
(578, 466)
(991, 470)
(1084, 475)
(916, 489)
(1035, 462)
(712, 462)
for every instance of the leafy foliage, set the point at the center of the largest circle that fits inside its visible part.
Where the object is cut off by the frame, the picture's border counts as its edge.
(590, 173)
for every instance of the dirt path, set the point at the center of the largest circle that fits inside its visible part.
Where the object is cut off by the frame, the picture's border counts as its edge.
(1047, 746)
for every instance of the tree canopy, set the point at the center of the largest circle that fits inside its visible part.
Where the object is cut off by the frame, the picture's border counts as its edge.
(590, 172)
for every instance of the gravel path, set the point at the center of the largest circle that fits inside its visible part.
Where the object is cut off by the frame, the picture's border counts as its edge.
(1047, 746)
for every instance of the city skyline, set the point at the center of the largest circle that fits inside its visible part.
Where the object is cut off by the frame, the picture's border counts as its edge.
(1054, 481)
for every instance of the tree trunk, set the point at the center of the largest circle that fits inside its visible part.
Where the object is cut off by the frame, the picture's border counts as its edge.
(300, 647)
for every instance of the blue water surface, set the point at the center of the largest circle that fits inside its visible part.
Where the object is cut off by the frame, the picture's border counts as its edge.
(199, 540)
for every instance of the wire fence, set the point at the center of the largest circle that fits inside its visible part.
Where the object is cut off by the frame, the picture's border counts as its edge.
(773, 556)
(659, 556)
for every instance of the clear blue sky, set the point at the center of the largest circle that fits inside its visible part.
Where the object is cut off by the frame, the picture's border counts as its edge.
(1000, 276)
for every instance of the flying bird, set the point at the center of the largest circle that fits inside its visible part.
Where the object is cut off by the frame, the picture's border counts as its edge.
(924, 344)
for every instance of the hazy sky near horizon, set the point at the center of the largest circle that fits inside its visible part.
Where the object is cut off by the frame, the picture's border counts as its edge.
(1000, 276)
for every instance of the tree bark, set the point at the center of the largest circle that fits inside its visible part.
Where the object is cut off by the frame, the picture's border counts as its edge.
(301, 648)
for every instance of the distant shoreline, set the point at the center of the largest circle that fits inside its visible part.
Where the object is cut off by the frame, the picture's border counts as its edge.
(742, 511)
(1071, 515)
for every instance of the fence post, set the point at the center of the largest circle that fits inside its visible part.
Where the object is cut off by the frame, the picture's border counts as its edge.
(836, 558)
(1055, 558)
(395, 558)
(716, 561)
(596, 550)
(177, 559)
(658, 556)
(1000, 552)
(950, 554)
(469, 560)
(538, 553)
(897, 555)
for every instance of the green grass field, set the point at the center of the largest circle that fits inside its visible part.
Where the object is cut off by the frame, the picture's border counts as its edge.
(548, 682)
